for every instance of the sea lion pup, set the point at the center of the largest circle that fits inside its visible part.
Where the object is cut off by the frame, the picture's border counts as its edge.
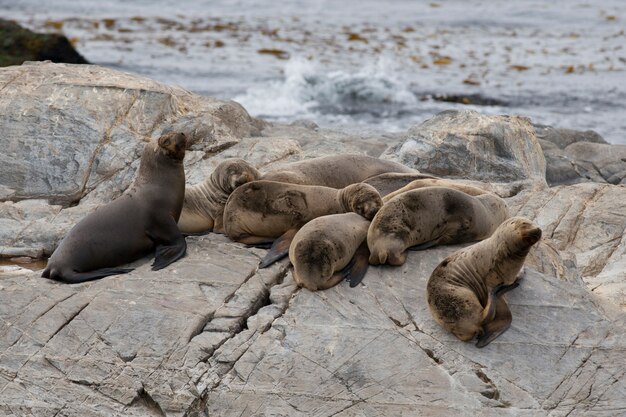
(436, 182)
(261, 211)
(337, 171)
(203, 207)
(465, 292)
(329, 249)
(431, 216)
(133, 224)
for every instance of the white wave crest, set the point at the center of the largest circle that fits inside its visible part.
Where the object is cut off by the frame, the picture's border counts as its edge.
(308, 90)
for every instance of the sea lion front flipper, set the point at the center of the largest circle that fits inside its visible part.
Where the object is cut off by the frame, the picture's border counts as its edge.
(78, 277)
(358, 265)
(424, 245)
(170, 243)
(500, 323)
(167, 254)
(279, 249)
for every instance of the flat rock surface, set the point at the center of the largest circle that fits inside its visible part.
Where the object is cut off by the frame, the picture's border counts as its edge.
(214, 335)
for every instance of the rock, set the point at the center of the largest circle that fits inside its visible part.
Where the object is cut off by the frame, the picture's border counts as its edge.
(562, 169)
(19, 45)
(565, 137)
(214, 335)
(608, 161)
(466, 144)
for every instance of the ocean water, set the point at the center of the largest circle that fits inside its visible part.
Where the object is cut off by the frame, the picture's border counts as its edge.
(365, 66)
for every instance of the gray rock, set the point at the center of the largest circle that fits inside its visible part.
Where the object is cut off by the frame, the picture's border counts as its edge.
(214, 335)
(467, 144)
(562, 138)
(59, 144)
(608, 161)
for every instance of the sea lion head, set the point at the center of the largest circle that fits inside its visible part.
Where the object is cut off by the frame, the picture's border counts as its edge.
(173, 145)
(231, 173)
(520, 234)
(312, 263)
(362, 199)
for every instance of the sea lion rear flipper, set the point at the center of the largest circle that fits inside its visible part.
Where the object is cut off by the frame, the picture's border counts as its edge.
(356, 269)
(170, 243)
(500, 323)
(279, 249)
(78, 277)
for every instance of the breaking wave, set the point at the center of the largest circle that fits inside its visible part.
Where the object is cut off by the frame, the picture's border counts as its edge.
(307, 90)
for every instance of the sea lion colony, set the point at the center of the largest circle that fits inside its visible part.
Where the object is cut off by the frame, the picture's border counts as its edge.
(333, 216)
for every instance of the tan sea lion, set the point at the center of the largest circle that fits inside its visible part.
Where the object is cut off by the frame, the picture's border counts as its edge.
(261, 211)
(204, 202)
(137, 222)
(465, 292)
(389, 182)
(337, 171)
(329, 249)
(436, 182)
(431, 216)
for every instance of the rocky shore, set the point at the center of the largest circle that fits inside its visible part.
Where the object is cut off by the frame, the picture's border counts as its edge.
(214, 335)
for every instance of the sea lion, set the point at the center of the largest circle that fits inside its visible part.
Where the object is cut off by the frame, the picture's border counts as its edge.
(465, 292)
(337, 171)
(389, 182)
(329, 249)
(204, 202)
(261, 211)
(142, 219)
(431, 216)
(436, 182)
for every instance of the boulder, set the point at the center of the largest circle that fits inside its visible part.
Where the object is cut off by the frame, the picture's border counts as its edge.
(608, 161)
(564, 137)
(19, 45)
(467, 144)
(214, 335)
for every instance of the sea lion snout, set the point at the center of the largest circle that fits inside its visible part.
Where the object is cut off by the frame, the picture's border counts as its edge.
(532, 236)
(174, 143)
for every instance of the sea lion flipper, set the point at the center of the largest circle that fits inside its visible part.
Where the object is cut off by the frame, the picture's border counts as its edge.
(424, 245)
(170, 243)
(504, 288)
(358, 265)
(166, 254)
(500, 323)
(279, 249)
(78, 277)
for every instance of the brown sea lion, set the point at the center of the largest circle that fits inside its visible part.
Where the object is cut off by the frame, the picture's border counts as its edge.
(465, 292)
(261, 211)
(436, 182)
(204, 202)
(337, 171)
(431, 216)
(137, 222)
(329, 249)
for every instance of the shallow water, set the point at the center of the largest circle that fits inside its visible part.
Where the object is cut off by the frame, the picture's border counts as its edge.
(365, 66)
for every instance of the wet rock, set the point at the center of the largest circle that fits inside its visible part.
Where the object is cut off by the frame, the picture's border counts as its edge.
(19, 45)
(466, 144)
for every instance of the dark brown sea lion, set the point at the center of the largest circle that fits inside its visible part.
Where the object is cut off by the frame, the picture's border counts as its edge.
(142, 219)
(465, 292)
